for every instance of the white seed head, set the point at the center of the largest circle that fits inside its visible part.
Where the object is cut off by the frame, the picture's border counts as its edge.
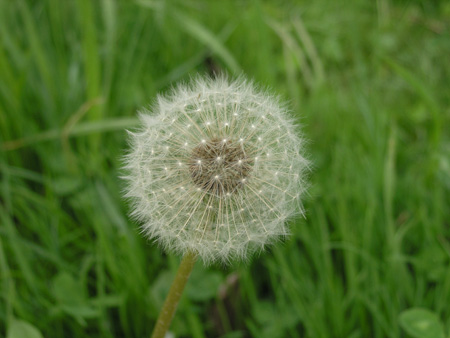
(216, 169)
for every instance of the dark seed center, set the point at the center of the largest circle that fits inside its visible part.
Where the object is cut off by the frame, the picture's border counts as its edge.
(219, 166)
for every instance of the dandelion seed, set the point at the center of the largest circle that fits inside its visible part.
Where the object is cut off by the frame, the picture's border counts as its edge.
(223, 192)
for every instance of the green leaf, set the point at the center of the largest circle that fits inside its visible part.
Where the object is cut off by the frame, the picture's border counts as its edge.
(161, 287)
(22, 329)
(67, 290)
(421, 323)
(66, 185)
(203, 284)
(72, 299)
(80, 311)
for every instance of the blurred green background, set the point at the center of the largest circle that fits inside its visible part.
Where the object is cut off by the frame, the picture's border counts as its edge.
(368, 80)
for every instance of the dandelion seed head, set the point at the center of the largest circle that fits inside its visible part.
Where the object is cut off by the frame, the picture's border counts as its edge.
(216, 168)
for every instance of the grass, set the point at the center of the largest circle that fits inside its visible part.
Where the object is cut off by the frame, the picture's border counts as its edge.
(369, 80)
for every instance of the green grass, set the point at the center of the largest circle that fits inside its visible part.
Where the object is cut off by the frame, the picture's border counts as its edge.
(369, 81)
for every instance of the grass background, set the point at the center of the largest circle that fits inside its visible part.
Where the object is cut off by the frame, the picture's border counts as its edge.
(369, 80)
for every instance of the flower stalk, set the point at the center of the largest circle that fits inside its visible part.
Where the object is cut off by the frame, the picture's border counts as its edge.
(170, 304)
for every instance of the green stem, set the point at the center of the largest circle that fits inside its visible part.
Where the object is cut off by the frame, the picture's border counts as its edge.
(172, 299)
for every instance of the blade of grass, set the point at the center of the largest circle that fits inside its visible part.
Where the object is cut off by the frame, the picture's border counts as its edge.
(86, 128)
(91, 63)
(202, 34)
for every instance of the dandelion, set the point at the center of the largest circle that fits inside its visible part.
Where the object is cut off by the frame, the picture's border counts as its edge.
(216, 170)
